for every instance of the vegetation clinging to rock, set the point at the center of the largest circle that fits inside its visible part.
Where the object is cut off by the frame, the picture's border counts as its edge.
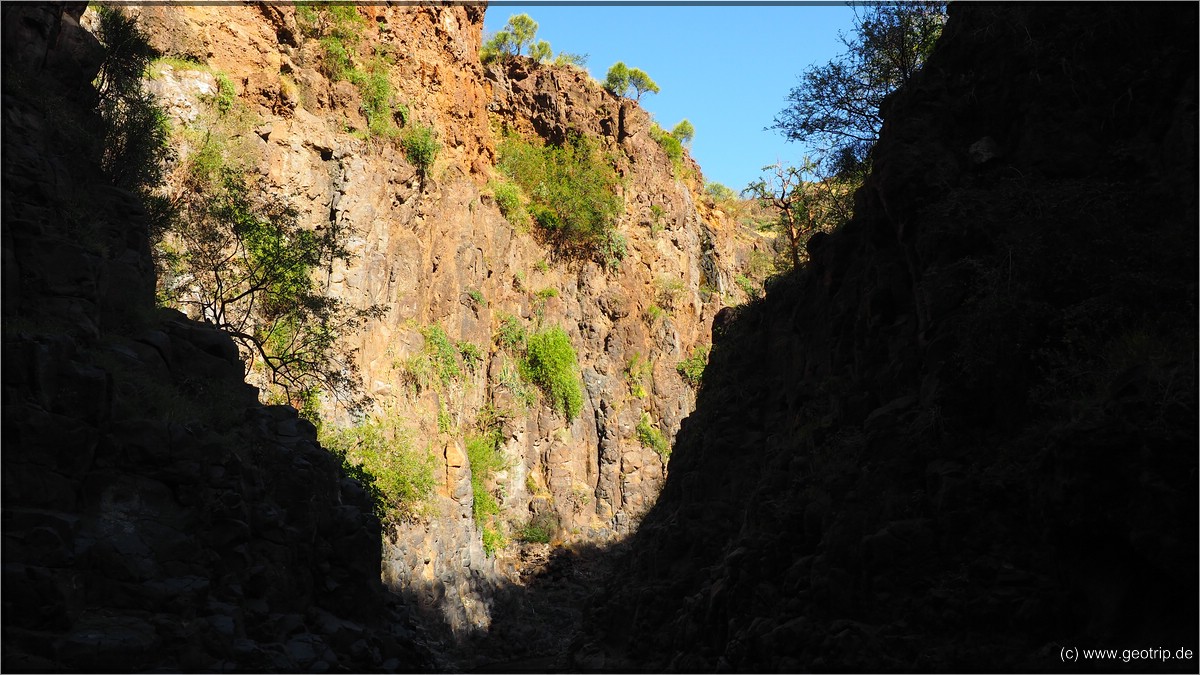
(380, 454)
(651, 437)
(550, 363)
(421, 147)
(691, 369)
(571, 191)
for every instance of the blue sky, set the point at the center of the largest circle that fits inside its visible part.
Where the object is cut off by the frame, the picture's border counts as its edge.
(727, 69)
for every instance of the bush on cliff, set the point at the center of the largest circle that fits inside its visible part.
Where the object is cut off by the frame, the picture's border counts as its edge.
(421, 147)
(379, 453)
(572, 195)
(651, 437)
(550, 363)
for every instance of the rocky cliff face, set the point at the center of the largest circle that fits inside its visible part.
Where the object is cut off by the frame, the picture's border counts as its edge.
(964, 435)
(434, 250)
(156, 516)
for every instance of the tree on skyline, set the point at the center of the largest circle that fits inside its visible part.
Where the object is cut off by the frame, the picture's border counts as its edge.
(523, 29)
(519, 31)
(684, 132)
(836, 105)
(641, 83)
(617, 79)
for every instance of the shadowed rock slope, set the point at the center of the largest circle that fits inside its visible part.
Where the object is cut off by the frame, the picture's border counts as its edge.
(964, 436)
(155, 516)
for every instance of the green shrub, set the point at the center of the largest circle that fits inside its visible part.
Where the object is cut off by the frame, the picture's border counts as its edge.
(550, 363)
(547, 293)
(650, 437)
(444, 421)
(569, 59)
(636, 372)
(377, 99)
(493, 540)
(485, 458)
(339, 29)
(510, 379)
(206, 162)
(511, 203)
(442, 354)
(417, 372)
(749, 287)
(692, 368)
(470, 354)
(511, 333)
(760, 265)
(226, 94)
(670, 145)
(379, 452)
(613, 249)
(719, 192)
(668, 291)
(437, 363)
(656, 215)
(476, 297)
(421, 147)
(572, 192)
(654, 313)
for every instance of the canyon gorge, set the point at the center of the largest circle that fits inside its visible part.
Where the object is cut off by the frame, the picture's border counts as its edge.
(960, 437)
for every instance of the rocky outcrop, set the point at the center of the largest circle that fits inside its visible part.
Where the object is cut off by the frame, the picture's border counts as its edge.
(155, 515)
(963, 437)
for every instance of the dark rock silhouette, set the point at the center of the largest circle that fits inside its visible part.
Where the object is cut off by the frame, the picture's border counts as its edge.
(155, 516)
(963, 437)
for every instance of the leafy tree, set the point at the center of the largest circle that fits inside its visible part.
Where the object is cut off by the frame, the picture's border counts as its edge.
(540, 52)
(836, 105)
(523, 29)
(245, 266)
(783, 188)
(684, 132)
(518, 32)
(641, 83)
(500, 47)
(617, 80)
(135, 126)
